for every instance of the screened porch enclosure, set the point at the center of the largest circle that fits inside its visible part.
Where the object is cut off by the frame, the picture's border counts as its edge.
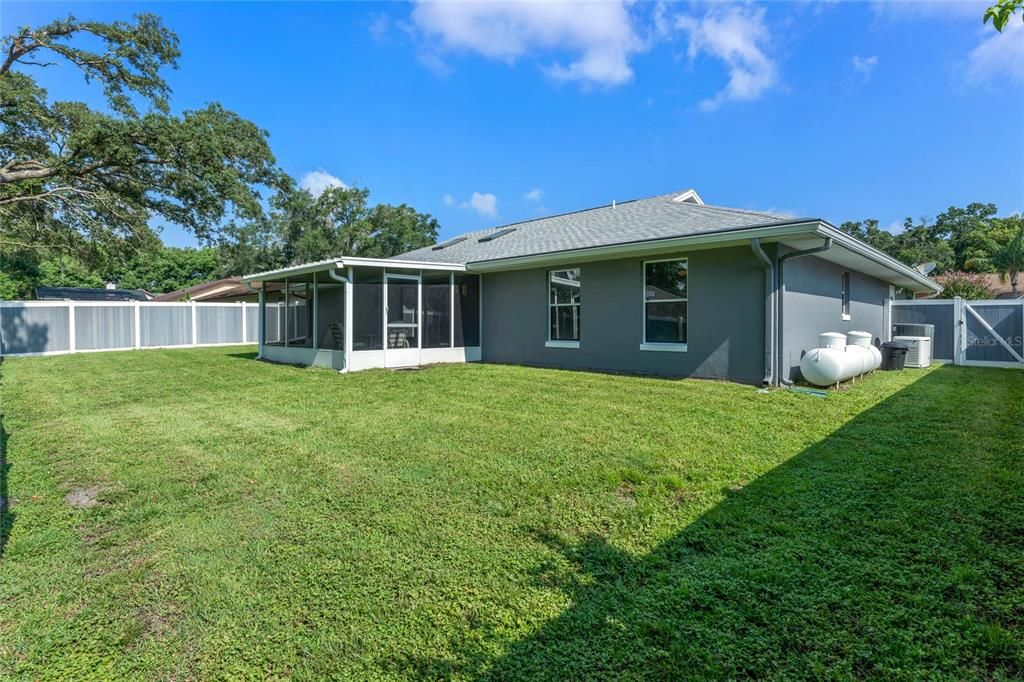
(370, 315)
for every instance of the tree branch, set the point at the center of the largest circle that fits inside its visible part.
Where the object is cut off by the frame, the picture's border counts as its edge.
(54, 191)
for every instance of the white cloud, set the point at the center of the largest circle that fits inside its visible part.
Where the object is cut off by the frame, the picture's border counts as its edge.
(485, 204)
(999, 56)
(600, 35)
(315, 182)
(380, 27)
(448, 200)
(930, 9)
(739, 38)
(535, 194)
(865, 65)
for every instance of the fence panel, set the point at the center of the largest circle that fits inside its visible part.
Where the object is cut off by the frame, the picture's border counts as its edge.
(939, 313)
(219, 324)
(252, 323)
(104, 327)
(43, 329)
(165, 326)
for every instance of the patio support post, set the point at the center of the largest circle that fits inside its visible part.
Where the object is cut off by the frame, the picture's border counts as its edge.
(348, 319)
(287, 311)
(261, 327)
(316, 308)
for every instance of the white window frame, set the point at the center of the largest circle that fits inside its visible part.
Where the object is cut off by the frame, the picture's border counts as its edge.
(656, 345)
(845, 296)
(557, 343)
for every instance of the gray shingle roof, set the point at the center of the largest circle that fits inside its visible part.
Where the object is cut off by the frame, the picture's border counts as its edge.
(656, 217)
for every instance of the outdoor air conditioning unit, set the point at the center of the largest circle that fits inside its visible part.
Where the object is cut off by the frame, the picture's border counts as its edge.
(911, 329)
(919, 353)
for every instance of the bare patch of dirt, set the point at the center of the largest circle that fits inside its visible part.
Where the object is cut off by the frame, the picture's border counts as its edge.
(154, 624)
(626, 492)
(83, 498)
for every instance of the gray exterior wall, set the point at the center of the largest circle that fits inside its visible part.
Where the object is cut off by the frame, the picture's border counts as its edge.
(725, 325)
(813, 305)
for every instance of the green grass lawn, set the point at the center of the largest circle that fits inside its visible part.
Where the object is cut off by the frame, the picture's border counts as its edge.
(229, 518)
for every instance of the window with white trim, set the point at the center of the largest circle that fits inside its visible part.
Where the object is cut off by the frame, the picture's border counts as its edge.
(665, 302)
(564, 305)
(846, 295)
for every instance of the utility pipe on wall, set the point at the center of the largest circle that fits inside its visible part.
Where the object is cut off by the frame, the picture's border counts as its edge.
(780, 295)
(769, 311)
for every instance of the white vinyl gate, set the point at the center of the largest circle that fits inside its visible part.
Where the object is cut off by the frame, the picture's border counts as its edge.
(974, 333)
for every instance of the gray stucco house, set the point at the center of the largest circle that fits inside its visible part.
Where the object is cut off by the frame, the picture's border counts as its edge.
(665, 285)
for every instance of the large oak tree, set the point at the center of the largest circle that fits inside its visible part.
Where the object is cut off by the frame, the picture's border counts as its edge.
(86, 182)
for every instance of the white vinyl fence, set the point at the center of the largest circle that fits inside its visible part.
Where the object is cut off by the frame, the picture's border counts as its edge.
(980, 333)
(53, 327)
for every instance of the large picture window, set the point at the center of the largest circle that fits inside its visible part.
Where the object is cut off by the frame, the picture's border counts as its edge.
(665, 304)
(564, 305)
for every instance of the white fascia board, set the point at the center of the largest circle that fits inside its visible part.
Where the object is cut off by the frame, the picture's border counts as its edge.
(403, 264)
(860, 248)
(303, 269)
(766, 233)
(345, 261)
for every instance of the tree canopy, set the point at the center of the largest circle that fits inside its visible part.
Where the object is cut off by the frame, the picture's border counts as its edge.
(959, 239)
(302, 228)
(79, 187)
(75, 180)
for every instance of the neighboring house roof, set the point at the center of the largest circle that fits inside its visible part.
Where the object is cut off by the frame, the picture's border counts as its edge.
(214, 290)
(86, 294)
(663, 216)
(1001, 287)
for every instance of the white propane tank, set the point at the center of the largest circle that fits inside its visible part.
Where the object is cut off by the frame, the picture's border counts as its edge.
(836, 361)
(832, 340)
(864, 339)
(822, 366)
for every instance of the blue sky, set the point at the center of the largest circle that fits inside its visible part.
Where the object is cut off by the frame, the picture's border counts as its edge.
(483, 114)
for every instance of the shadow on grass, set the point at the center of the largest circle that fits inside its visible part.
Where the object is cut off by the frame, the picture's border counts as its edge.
(892, 548)
(243, 356)
(6, 515)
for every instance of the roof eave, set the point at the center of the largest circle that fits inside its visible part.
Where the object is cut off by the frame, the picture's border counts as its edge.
(826, 229)
(647, 246)
(766, 232)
